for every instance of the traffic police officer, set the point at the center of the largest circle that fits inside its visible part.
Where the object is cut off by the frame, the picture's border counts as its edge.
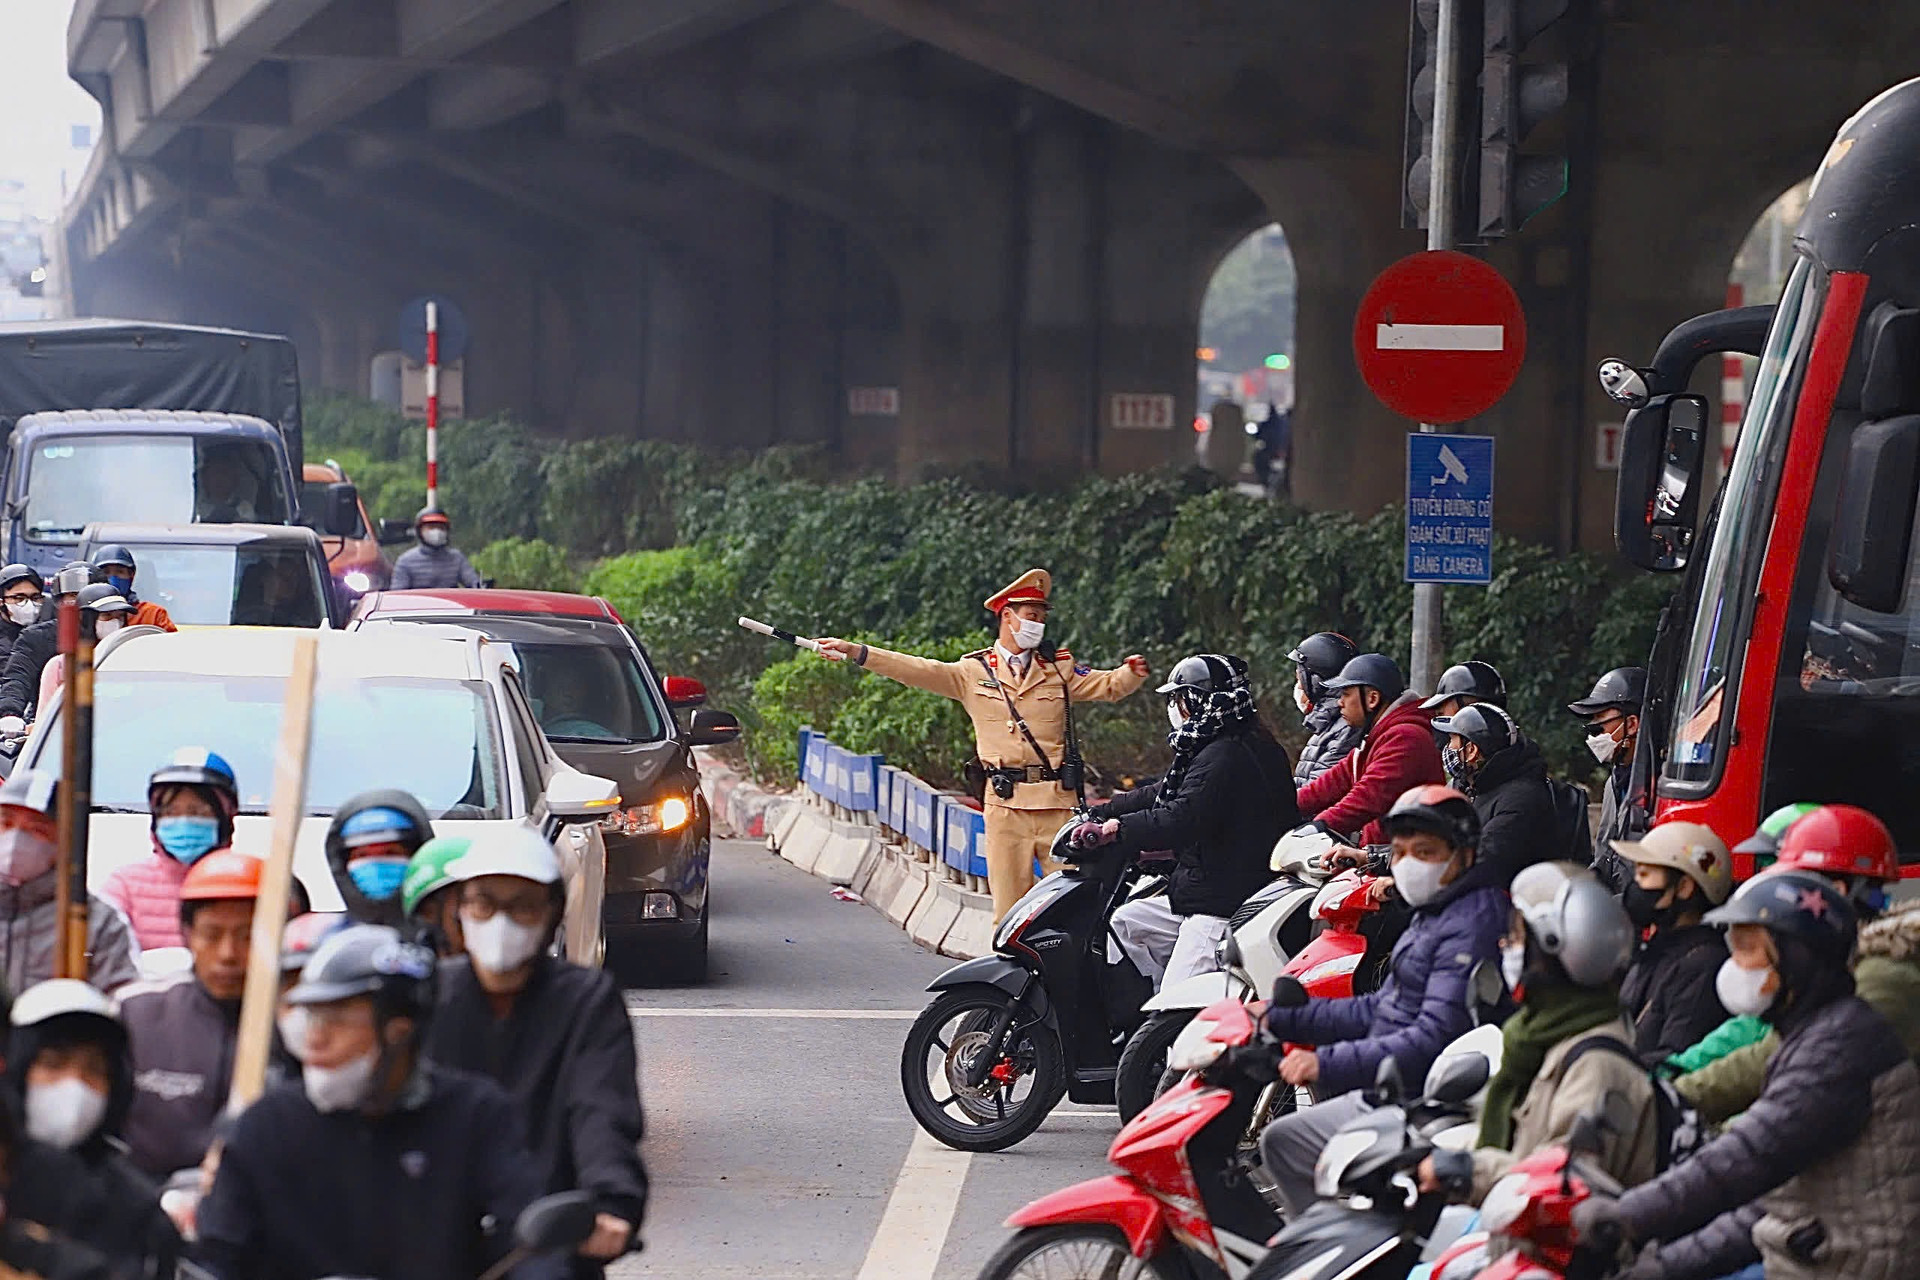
(1002, 688)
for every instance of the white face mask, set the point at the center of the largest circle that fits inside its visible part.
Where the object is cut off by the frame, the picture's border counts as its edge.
(104, 627)
(1513, 962)
(500, 944)
(340, 1088)
(23, 612)
(65, 1113)
(1417, 881)
(1602, 745)
(434, 537)
(1175, 716)
(1302, 701)
(293, 1031)
(1027, 632)
(1739, 989)
(25, 856)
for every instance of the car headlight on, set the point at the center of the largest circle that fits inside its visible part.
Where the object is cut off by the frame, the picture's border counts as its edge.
(356, 580)
(1191, 1050)
(670, 814)
(1505, 1202)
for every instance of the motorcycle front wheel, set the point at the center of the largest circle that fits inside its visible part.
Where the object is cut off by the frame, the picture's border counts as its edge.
(1142, 1075)
(1021, 1088)
(1078, 1251)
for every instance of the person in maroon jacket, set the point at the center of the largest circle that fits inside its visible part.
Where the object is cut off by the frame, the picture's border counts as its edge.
(1396, 751)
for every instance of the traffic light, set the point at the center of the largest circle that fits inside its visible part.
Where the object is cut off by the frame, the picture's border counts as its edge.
(1416, 152)
(1523, 90)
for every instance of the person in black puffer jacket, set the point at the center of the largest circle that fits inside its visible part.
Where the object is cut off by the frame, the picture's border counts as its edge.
(1504, 774)
(1819, 1179)
(1319, 659)
(21, 595)
(32, 648)
(1675, 875)
(1221, 806)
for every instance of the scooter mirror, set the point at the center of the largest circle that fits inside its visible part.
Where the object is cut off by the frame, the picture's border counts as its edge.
(1229, 954)
(1463, 1076)
(1287, 992)
(553, 1223)
(1486, 992)
(1387, 1088)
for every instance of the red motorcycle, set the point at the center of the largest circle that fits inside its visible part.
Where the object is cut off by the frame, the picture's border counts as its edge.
(1528, 1217)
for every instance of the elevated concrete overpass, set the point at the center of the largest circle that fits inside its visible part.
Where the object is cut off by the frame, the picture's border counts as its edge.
(712, 219)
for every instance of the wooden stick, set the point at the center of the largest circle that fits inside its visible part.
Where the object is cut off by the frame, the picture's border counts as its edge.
(261, 998)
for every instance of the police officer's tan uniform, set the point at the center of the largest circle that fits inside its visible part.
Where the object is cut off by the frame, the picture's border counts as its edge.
(1021, 827)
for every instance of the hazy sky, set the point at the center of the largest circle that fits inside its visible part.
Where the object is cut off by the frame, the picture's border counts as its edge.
(38, 104)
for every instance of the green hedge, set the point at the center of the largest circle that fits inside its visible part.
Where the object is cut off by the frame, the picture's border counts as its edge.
(1165, 564)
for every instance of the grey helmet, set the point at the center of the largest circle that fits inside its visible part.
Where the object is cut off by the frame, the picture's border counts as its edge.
(369, 960)
(1572, 917)
(1485, 725)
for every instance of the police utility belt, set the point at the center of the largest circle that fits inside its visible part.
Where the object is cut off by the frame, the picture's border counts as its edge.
(1003, 778)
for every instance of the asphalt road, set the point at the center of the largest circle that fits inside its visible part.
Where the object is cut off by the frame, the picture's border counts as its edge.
(777, 1140)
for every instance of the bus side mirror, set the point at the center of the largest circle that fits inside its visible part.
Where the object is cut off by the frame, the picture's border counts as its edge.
(1662, 450)
(1873, 517)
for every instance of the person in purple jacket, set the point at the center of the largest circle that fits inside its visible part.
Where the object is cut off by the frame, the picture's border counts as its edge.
(1460, 913)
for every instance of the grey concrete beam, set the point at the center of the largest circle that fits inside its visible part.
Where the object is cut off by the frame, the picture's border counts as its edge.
(609, 30)
(466, 98)
(805, 36)
(347, 29)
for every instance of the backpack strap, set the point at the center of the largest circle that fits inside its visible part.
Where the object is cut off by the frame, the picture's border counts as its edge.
(1600, 1043)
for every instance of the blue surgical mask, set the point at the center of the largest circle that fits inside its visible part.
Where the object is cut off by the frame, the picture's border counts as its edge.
(122, 584)
(378, 879)
(187, 838)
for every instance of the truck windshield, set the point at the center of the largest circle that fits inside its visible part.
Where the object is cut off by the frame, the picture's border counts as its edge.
(251, 585)
(1702, 705)
(73, 481)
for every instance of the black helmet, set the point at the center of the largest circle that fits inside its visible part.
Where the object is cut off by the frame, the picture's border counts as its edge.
(1206, 673)
(1471, 679)
(99, 597)
(208, 773)
(1622, 687)
(112, 553)
(1373, 671)
(1439, 810)
(1324, 653)
(386, 813)
(1796, 904)
(10, 574)
(369, 960)
(1485, 725)
(430, 514)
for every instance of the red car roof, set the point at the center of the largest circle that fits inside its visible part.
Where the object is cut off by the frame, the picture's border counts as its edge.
(559, 603)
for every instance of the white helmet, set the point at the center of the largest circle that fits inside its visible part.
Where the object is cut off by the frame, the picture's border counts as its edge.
(1573, 918)
(515, 851)
(57, 997)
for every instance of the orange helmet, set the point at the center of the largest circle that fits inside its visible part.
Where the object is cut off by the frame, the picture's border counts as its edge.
(225, 874)
(1841, 840)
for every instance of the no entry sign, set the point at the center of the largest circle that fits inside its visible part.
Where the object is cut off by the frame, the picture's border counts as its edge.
(1440, 336)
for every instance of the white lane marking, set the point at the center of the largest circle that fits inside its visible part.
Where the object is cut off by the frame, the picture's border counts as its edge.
(913, 1228)
(1440, 337)
(863, 1015)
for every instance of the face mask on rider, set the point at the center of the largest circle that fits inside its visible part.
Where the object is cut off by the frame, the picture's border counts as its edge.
(1301, 700)
(64, 1113)
(500, 944)
(1513, 962)
(23, 613)
(293, 1026)
(1175, 715)
(1027, 633)
(434, 535)
(25, 856)
(104, 627)
(340, 1088)
(1740, 989)
(1460, 770)
(1602, 745)
(1418, 881)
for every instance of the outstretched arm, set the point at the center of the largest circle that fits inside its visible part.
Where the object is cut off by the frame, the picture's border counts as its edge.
(948, 679)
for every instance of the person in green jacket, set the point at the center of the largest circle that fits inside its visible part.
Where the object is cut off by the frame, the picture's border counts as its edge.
(1855, 850)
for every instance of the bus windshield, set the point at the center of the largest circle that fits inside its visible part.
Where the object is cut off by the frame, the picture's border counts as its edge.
(1702, 705)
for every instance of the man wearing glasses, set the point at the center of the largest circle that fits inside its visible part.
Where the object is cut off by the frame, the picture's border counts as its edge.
(554, 1035)
(1612, 715)
(21, 596)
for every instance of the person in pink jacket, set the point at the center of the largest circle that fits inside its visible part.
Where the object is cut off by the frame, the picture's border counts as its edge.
(194, 798)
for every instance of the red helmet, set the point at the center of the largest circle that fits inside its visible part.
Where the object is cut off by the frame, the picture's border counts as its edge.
(1841, 840)
(225, 874)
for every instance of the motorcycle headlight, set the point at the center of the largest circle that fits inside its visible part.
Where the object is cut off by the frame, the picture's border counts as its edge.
(1504, 1204)
(355, 580)
(1019, 918)
(1334, 1159)
(1191, 1050)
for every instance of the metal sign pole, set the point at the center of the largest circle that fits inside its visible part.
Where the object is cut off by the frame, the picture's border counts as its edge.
(1442, 178)
(433, 405)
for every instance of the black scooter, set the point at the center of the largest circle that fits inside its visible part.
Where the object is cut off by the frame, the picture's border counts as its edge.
(1045, 1016)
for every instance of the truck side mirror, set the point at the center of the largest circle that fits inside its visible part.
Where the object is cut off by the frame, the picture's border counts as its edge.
(340, 510)
(393, 532)
(1873, 516)
(1661, 453)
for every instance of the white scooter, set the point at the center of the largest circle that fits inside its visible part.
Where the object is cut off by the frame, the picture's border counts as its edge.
(1268, 930)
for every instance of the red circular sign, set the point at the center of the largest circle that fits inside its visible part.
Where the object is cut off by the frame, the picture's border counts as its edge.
(1440, 336)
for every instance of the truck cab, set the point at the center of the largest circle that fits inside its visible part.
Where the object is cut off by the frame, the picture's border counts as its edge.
(1788, 666)
(70, 468)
